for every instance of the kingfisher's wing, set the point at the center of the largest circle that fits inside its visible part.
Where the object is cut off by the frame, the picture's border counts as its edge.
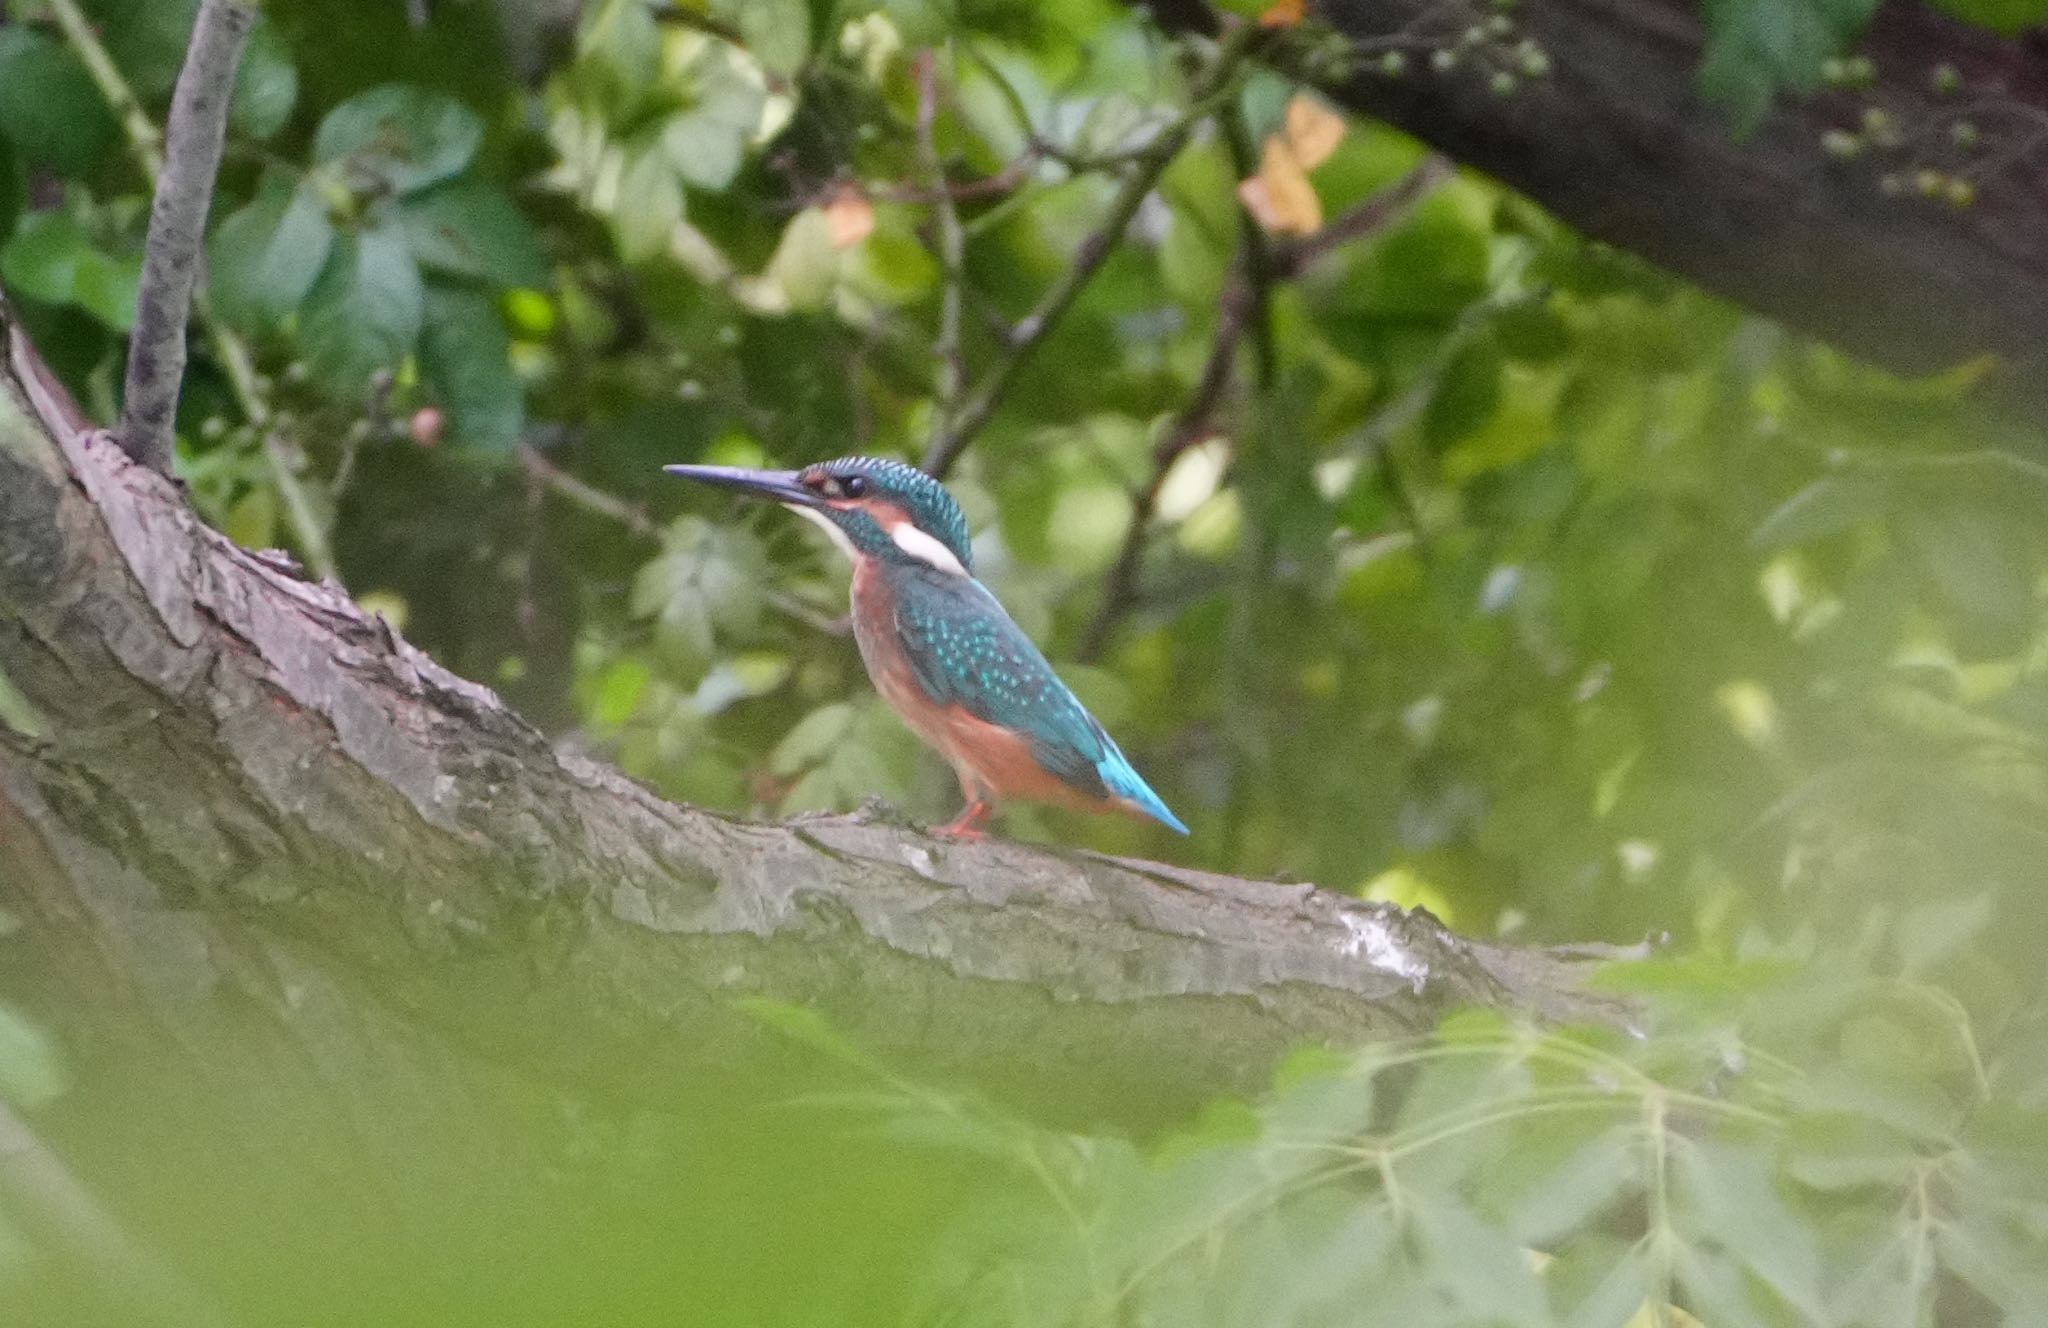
(965, 650)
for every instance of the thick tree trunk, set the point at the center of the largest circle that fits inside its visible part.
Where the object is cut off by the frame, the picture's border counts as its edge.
(221, 786)
(1618, 141)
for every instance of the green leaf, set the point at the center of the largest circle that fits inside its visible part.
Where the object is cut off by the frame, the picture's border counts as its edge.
(364, 311)
(264, 257)
(40, 260)
(49, 107)
(2007, 17)
(618, 52)
(706, 143)
(1477, 1267)
(706, 581)
(469, 229)
(466, 361)
(811, 739)
(51, 259)
(650, 205)
(1730, 1199)
(1827, 506)
(400, 137)
(777, 32)
(1756, 47)
(266, 84)
(1468, 394)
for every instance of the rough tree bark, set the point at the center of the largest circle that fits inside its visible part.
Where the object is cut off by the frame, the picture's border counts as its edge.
(1618, 141)
(220, 783)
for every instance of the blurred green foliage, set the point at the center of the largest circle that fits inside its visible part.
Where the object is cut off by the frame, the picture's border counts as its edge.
(1513, 578)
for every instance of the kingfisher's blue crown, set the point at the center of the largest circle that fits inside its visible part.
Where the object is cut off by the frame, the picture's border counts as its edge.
(930, 507)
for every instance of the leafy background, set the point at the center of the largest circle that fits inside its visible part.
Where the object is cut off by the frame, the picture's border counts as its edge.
(1512, 578)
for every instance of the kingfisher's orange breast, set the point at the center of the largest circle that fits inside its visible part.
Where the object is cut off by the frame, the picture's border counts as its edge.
(990, 760)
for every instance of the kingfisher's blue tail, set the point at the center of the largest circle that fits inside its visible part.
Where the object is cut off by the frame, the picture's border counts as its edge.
(1125, 782)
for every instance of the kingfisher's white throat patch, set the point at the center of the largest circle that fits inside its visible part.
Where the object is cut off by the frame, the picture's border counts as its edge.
(829, 526)
(925, 548)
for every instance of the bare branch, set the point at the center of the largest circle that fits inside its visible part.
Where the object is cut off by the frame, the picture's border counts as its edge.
(586, 496)
(177, 229)
(1030, 333)
(952, 252)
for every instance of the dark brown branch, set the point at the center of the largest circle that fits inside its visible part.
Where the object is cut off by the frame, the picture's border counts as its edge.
(1617, 141)
(194, 136)
(987, 396)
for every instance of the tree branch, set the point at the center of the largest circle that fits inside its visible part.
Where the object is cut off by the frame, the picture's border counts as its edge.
(981, 404)
(309, 529)
(1617, 141)
(952, 246)
(257, 749)
(195, 134)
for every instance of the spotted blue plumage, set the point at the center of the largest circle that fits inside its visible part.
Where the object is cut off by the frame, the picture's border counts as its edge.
(966, 651)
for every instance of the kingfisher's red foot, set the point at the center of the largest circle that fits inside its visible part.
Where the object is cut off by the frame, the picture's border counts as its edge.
(969, 824)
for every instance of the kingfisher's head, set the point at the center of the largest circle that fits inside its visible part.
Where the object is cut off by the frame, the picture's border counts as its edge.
(872, 508)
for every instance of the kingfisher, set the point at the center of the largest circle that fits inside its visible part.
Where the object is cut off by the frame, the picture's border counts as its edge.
(942, 651)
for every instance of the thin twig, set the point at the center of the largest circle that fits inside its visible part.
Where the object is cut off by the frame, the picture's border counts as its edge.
(951, 368)
(591, 499)
(196, 130)
(1192, 425)
(981, 404)
(85, 43)
(232, 353)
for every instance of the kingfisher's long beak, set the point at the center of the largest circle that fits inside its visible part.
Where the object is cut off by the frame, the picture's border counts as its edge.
(778, 486)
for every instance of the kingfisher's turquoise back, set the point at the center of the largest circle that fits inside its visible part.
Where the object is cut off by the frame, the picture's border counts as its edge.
(966, 651)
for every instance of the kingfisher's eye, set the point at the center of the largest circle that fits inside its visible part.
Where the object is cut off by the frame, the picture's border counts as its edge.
(854, 486)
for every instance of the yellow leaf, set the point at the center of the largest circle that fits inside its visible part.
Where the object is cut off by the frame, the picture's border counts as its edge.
(1313, 130)
(1280, 197)
(849, 218)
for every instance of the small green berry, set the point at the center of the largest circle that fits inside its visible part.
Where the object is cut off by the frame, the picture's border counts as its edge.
(1834, 72)
(1963, 133)
(1535, 63)
(1473, 36)
(1443, 62)
(212, 428)
(1945, 79)
(1960, 193)
(1862, 70)
(1393, 64)
(1500, 25)
(1502, 84)
(1929, 183)
(1841, 144)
